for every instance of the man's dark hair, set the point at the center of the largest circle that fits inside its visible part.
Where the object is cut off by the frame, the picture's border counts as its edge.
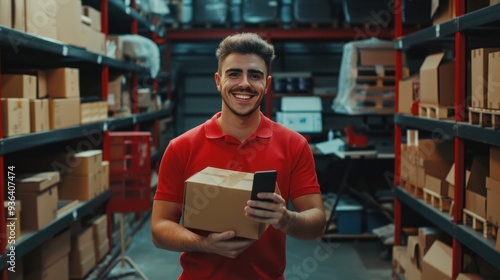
(246, 43)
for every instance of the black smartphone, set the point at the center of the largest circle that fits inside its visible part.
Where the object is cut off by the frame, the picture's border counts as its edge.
(263, 181)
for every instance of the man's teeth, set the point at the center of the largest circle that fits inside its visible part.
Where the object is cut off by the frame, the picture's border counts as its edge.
(242, 96)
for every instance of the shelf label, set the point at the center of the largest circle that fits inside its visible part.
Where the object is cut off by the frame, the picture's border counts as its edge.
(104, 126)
(400, 44)
(65, 51)
(438, 30)
(127, 10)
(75, 215)
(99, 59)
(134, 119)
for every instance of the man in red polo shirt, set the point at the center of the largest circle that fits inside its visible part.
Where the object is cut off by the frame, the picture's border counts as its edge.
(240, 138)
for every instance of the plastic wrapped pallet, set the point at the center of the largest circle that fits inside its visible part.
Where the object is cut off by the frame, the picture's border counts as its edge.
(366, 74)
(138, 49)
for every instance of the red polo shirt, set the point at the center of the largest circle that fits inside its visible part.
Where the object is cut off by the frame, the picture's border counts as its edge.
(272, 146)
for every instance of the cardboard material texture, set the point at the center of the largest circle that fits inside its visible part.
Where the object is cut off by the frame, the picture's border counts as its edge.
(37, 181)
(105, 176)
(214, 200)
(450, 179)
(39, 115)
(384, 57)
(18, 15)
(436, 185)
(437, 262)
(41, 19)
(68, 22)
(478, 173)
(82, 256)
(400, 257)
(94, 15)
(63, 83)
(479, 76)
(426, 237)
(59, 270)
(413, 273)
(493, 81)
(49, 252)
(492, 198)
(16, 116)
(435, 159)
(95, 41)
(445, 11)
(40, 208)
(407, 93)
(80, 187)
(93, 111)
(64, 112)
(469, 276)
(495, 163)
(19, 86)
(475, 203)
(115, 94)
(6, 13)
(413, 249)
(41, 84)
(437, 78)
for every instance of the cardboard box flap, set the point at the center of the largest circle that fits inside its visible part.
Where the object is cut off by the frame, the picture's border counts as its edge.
(36, 182)
(413, 250)
(439, 256)
(492, 185)
(432, 61)
(479, 172)
(450, 178)
(223, 178)
(87, 154)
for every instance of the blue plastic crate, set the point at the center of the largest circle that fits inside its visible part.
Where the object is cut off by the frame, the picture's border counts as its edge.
(349, 214)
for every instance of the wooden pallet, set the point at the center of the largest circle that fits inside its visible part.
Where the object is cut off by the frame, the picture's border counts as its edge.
(441, 202)
(484, 117)
(477, 223)
(414, 190)
(376, 81)
(434, 111)
(377, 71)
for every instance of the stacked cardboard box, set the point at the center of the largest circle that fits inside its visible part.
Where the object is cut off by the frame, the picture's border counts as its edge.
(493, 188)
(104, 176)
(100, 235)
(18, 91)
(83, 181)
(93, 39)
(63, 87)
(82, 256)
(50, 260)
(38, 195)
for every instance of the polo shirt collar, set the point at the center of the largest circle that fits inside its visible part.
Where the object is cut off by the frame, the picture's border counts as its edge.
(214, 131)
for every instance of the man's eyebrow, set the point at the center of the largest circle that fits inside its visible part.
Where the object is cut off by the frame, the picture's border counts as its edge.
(241, 71)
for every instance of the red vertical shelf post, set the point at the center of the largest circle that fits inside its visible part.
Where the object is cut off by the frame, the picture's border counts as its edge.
(398, 32)
(134, 29)
(460, 85)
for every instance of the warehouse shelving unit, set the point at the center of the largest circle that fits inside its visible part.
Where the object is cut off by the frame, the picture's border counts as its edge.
(21, 51)
(457, 30)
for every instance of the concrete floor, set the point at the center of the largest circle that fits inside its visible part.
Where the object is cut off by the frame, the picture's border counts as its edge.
(348, 259)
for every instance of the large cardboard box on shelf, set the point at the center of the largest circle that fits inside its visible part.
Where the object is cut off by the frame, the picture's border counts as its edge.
(450, 179)
(82, 256)
(64, 112)
(13, 210)
(41, 18)
(18, 15)
(115, 93)
(48, 252)
(475, 194)
(68, 22)
(492, 198)
(437, 80)
(16, 116)
(94, 15)
(437, 262)
(100, 235)
(204, 211)
(63, 82)
(83, 187)
(86, 162)
(372, 56)
(105, 176)
(408, 90)
(445, 11)
(58, 270)
(6, 13)
(19, 86)
(434, 157)
(479, 76)
(95, 41)
(495, 163)
(38, 195)
(493, 81)
(39, 115)
(93, 111)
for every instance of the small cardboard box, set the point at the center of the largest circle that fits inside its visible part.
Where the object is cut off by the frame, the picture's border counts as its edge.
(82, 257)
(478, 173)
(437, 81)
(39, 196)
(19, 86)
(479, 76)
(49, 252)
(80, 187)
(86, 162)
(495, 163)
(492, 198)
(437, 262)
(493, 81)
(413, 249)
(214, 200)
(64, 112)
(39, 115)
(95, 41)
(94, 15)
(426, 237)
(407, 93)
(450, 179)
(384, 57)
(68, 22)
(6, 14)
(475, 203)
(63, 83)
(41, 19)
(16, 116)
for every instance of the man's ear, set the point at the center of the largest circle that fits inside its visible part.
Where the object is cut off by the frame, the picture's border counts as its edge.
(268, 83)
(217, 80)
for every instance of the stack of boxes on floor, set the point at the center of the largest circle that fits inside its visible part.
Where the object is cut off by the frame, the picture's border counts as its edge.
(43, 99)
(75, 251)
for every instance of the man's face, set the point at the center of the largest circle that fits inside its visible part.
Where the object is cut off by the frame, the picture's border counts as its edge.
(242, 82)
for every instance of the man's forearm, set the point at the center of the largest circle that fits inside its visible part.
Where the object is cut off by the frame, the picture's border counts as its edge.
(174, 237)
(308, 224)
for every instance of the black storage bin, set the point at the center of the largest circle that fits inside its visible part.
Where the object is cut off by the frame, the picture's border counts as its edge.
(315, 11)
(261, 11)
(417, 12)
(373, 12)
(213, 12)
